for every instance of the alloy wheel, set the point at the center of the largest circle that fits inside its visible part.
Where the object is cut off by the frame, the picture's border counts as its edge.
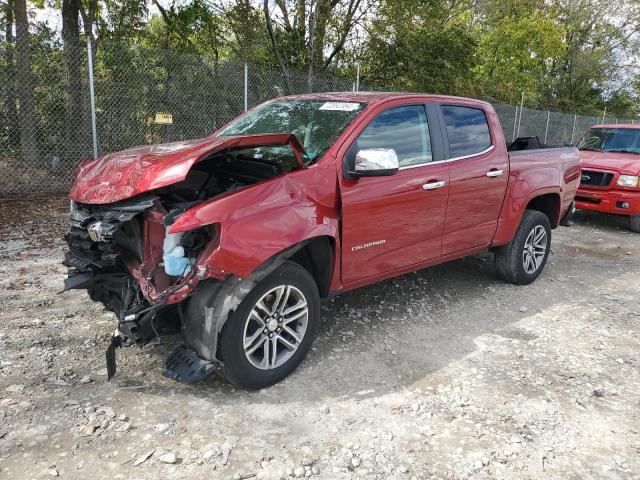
(535, 248)
(275, 327)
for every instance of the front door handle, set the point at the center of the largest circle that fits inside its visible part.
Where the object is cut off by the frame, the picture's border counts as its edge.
(494, 173)
(433, 185)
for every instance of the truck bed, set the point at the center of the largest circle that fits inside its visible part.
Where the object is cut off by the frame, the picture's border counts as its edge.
(540, 167)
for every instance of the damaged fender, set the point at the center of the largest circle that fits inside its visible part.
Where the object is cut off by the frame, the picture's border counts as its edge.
(209, 307)
(302, 205)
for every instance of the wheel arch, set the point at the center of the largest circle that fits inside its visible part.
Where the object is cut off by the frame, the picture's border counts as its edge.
(549, 204)
(317, 256)
(546, 200)
(208, 309)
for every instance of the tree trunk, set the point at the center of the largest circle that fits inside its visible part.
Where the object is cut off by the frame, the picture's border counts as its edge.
(321, 17)
(10, 86)
(88, 16)
(301, 14)
(74, 144)
(276, 49)
(310, 47)
(317, 32)
(27, 110)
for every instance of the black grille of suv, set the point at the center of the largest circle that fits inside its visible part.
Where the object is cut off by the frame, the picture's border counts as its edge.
(591, 178)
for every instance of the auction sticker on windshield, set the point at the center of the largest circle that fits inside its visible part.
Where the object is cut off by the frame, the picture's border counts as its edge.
(342, 106)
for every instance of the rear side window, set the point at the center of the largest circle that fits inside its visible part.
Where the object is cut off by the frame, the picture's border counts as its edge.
(467, 130)
(405, 130)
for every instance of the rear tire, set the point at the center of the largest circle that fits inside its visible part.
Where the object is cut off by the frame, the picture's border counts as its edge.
(634, 223)
(521, 261)
(281, 314)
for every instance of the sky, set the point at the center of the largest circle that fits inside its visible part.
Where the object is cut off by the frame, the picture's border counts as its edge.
(53, 16)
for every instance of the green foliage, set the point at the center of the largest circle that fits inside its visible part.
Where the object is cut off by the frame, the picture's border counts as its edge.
(575, 55)
(48, 72)
(600, 36)
(247, 38)
(186, 57)
(623, 104)
(411, 48)
(515, 56)
(134, 82)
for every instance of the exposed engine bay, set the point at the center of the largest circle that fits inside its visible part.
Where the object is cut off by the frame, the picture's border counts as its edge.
(124, 256)
(227, 172)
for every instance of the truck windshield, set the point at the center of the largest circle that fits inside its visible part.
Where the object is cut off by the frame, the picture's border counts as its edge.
(316, 123)
(625, 140)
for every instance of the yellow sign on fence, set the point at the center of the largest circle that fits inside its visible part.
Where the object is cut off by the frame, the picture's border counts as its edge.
(164, 118)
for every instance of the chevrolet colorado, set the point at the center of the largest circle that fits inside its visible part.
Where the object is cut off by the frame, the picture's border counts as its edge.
(610, 179)
(233, 239)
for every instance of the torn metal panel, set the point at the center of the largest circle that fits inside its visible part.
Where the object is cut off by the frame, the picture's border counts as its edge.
(209, 308)
(129, 173)
(124, 253)
(184, 365)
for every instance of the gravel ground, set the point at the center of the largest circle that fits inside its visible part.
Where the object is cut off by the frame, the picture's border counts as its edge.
(444, 373)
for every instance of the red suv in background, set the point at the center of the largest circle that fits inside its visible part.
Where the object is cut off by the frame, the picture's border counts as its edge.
(610, 180)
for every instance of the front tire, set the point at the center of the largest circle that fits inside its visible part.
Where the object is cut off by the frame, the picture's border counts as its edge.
(272, 330)
(522, 261)
(634, 223)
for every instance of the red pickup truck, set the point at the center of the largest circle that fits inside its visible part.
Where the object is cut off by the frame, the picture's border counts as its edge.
(232, 240)
(610, 181)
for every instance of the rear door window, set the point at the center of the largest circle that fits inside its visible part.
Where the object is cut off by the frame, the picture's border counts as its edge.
(405, 130)
(467, 130)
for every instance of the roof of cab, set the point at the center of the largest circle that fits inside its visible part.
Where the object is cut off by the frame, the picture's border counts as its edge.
(617, 125)
(371, 97)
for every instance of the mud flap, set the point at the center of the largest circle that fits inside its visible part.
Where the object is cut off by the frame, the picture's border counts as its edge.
(567, 220)
(116, 342)
(184, 365)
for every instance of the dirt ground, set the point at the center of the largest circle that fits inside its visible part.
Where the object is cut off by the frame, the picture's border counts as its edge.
(444, 373)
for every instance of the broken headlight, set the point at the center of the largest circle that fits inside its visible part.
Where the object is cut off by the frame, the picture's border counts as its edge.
(180, 250)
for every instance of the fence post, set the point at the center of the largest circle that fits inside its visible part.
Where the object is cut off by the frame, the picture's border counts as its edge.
(604, 114)
(246, 87)
(358, 77)
(546, 129)
(573, 130)
(92, 97)
(520, 117)
(515, 123)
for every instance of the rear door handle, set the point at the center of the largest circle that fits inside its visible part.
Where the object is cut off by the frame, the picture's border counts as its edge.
(494, 173)
(433, 185)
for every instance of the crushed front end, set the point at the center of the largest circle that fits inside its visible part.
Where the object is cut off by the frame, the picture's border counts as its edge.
(123, 256)
(140, 244)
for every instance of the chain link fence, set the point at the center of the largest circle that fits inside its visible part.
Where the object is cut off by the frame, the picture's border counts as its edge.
(552, 128)
(43, 138)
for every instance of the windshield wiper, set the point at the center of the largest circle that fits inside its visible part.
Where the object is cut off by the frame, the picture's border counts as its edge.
(591, 149)
(622, 150)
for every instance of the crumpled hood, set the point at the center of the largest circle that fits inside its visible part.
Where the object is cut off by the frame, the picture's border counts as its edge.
(128, 173)
(625, 163)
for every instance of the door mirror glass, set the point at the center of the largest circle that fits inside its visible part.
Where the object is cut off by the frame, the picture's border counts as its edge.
(376, 162)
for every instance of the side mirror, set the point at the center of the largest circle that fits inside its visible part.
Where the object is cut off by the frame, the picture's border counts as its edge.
(376, 162)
